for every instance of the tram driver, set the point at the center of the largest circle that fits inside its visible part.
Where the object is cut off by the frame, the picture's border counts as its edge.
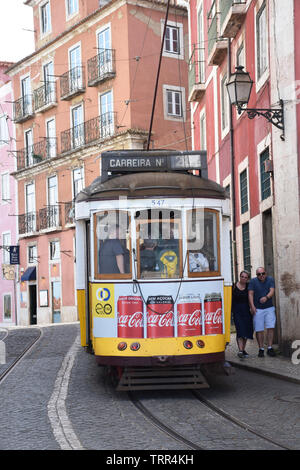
(112, 253)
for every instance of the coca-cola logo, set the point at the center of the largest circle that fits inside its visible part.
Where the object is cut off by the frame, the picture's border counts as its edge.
(132, 321)
(161, 320)
(214, 317)
(190, 319)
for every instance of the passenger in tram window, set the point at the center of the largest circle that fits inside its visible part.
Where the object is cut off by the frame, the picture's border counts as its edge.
(112, 253)
(148, 255)
(241, 313)
(198, 262)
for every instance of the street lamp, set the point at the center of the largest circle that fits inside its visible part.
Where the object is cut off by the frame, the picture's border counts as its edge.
(239, 88)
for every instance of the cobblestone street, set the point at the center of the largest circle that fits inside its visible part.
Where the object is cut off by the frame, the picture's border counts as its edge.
(37, 407)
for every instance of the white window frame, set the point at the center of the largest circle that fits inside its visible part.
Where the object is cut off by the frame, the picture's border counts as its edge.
(4, 134)
(81, 169)
(75, 4)
(202, 130)
(7, 294)
(80, 138)
(172, 54)
(224, 103)
(5, 253)
(244, 165)
(5, 188)
(56, 257)
(267, 203)
(33, 259)
(51, 145)
(174, 117)
(48, 23)
(263, 76)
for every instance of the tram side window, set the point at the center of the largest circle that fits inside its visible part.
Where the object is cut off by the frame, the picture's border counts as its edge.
(159, 244)
(112, 244)
(203, 242)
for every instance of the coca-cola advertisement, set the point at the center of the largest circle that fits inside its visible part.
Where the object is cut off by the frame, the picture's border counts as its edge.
(130, 317)
(160, 316)
(213, 317)
(158, 309)
(189, 318)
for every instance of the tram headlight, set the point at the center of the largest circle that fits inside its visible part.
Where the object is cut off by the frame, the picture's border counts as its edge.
(200, 343)
(188, 344)
(122, 346)
(135, 346)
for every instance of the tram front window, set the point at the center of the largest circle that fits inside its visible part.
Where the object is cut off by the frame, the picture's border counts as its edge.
(203, 242)
(112, 239)
(159, 244)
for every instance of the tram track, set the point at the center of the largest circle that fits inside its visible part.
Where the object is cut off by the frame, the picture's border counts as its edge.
(27, 348)
(160, 425)
(224, 414)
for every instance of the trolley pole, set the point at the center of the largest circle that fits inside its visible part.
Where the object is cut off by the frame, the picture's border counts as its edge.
(157, 75)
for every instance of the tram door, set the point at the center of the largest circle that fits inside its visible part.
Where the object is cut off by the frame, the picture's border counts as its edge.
(32, 304)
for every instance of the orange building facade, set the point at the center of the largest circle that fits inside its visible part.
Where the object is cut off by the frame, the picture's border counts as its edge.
(87, 88)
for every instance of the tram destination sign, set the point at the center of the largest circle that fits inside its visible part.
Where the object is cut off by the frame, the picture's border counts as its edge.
(131, 161)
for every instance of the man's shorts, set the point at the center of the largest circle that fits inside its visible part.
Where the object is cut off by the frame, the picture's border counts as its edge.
(264, 318)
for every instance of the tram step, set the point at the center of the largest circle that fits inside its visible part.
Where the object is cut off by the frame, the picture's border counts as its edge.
(140, 378)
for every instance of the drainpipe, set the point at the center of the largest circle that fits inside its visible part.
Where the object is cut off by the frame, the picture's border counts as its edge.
(232, 161)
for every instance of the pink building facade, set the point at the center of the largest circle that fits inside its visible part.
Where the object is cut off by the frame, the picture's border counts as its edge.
(8, 202)
(251, 157)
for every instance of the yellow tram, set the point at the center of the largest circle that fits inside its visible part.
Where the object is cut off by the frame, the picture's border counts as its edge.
(153, 262)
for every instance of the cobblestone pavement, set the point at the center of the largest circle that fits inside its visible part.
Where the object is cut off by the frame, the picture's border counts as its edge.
(102, 418)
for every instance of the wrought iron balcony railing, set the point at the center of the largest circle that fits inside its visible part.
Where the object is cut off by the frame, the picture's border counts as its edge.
(23, 108)
(45, 96)
(196, 73)
(69, 212)
(72, 83)
(46, 148)
(28, 223)
(101, 67)
(49, 217)
(88, 132)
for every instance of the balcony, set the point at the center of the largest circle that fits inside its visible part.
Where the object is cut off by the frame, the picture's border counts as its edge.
(42, 150)
(27, 223)
(197, 74)
(88, 132)
(217, 45)
(50, 217)
(69, 212)
(233, 13)
(45, 97)
(72, 83)
(101, 67)
(23, 109)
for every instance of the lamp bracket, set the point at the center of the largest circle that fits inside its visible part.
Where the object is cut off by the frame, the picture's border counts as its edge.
(274, 115)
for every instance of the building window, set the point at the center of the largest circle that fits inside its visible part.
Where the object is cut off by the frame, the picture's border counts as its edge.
(4, 138)
(32, 254)
(5, 193)
(77, 127)
(244, 191)
(261, 41)
(203, 131)
(30, 207)
(224, 103)
(7, 313)
(29, 147)
(51, 138)
(6, 240)
(54, 250)
(78, 183)
(246, 247)
(172, 42)
(72, 7)
(106, 114)
(45, 18)
(174, 103)
(265, 179)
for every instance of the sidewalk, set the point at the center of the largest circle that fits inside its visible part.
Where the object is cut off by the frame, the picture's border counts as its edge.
(279, 366)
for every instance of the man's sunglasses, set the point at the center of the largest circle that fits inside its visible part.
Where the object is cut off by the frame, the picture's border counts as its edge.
(261, 274)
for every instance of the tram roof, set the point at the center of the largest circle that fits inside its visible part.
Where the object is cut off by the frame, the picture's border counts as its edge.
(151, 184)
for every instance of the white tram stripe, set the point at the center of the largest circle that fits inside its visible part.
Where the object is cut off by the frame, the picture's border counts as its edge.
(60, 423)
